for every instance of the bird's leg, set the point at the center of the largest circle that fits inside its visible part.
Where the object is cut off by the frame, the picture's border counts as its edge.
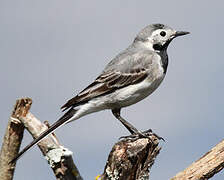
(134, 132)
(131, 128)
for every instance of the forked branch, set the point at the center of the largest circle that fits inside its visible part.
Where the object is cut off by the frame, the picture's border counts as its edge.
(130, 158)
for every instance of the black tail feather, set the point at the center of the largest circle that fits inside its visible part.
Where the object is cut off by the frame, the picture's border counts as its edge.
(52, 128)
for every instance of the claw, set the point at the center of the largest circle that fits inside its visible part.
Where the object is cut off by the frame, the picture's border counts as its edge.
(135, 135)
(144, 134)
(159, 137)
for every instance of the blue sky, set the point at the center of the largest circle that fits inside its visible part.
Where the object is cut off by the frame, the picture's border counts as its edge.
(51, 50)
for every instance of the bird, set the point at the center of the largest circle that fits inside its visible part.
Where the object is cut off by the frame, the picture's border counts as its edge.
(131, 76)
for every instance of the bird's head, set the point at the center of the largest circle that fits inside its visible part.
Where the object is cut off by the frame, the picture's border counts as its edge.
(157, 36)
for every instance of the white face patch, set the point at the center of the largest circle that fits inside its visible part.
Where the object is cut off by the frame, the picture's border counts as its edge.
(157, 38)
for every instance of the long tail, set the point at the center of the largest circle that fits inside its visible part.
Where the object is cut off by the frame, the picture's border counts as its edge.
(68, 115)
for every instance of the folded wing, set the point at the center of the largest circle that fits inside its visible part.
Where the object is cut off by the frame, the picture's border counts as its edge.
(106, 83)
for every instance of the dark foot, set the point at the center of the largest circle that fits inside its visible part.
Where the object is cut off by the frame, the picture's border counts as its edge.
(150, 132)
(144, 134)
(135, 135)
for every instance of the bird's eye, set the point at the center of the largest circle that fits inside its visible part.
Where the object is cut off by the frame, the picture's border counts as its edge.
(163, 33)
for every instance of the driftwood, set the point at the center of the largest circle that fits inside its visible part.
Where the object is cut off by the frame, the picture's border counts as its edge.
(131, 158)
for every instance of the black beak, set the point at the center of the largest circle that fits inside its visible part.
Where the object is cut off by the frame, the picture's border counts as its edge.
(181, 33)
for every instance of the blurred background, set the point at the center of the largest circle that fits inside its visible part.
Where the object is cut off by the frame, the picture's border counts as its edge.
(51, 49)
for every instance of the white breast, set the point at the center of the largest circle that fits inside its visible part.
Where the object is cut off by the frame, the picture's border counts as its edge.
(135, 93)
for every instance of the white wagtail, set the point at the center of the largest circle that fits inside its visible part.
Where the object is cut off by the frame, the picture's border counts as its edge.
(130, 77)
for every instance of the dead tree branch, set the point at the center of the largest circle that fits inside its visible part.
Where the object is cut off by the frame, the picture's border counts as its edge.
(58, 157)
(12, 139)
(132, 158)
(205, 167)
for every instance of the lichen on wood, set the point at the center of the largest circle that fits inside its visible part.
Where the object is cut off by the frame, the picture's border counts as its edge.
(132, 158)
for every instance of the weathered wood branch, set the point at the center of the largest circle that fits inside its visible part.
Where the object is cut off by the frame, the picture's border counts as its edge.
(132, 158)
(207, 166)
(12, 140)
(58, 157)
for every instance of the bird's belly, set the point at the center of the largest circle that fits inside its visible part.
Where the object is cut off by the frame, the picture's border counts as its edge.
(133, 93)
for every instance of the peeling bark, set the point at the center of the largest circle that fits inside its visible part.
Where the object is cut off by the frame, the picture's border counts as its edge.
(58, 157)
(132, 158)
(12, 139)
